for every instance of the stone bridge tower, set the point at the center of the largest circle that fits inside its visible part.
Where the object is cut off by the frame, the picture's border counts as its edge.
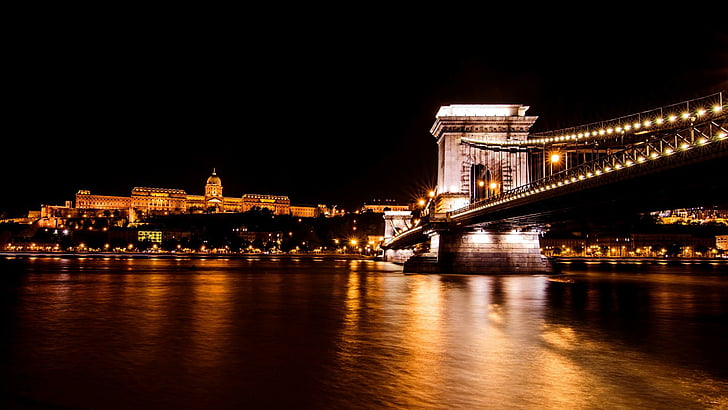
(466, 173)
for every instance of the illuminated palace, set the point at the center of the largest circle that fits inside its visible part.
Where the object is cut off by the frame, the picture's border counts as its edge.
(145, 202)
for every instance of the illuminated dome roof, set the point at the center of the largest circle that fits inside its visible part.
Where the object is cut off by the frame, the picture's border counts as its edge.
(214, 179)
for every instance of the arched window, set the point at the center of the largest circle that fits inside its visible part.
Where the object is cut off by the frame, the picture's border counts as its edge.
(479, 182)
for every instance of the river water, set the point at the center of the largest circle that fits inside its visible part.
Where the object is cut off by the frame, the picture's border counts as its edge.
(340, 334)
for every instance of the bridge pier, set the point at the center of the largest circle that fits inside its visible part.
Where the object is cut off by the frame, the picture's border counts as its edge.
(399, 256)
(481, 252)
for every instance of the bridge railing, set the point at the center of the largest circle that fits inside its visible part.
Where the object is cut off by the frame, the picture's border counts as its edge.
(655, 146)
(666, 117)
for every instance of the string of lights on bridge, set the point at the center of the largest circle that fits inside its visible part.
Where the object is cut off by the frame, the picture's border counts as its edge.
(677, 115)
(604, 165)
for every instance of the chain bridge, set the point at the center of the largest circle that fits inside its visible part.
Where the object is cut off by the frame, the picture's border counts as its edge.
(499, 186)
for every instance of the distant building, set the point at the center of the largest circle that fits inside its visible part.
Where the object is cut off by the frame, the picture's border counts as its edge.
(305, 211)
(146, 201)
(151, 236)
(262, 236)
(692, 216)
(382, 205)
(721, 242)
(280, 205)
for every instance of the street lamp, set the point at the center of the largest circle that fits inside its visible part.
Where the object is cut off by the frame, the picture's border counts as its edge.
(555, 158)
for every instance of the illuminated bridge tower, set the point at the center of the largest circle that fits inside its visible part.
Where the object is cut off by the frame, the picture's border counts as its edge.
(466, 173)
(479, 157)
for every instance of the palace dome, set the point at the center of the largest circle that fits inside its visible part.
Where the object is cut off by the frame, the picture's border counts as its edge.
(214, 179)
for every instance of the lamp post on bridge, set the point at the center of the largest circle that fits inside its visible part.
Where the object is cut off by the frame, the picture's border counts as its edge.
(554, 159)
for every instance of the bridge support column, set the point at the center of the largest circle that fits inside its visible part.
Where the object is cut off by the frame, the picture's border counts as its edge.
(397, 255)
(482, 253)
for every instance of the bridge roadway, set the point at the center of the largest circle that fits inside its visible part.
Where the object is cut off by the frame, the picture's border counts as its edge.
(675, 164)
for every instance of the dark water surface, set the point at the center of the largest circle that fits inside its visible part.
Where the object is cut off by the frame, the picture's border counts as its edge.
(220, 334)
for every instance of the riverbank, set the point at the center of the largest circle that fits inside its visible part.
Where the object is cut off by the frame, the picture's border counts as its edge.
(191, 255)
(637, 261)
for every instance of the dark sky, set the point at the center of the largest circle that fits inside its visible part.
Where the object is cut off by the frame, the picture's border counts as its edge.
(326, 110)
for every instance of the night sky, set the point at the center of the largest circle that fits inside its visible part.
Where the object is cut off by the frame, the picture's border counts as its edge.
(330, 110)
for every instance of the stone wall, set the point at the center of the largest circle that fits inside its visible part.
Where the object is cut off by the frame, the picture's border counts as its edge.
(485, 253)
(398, 256)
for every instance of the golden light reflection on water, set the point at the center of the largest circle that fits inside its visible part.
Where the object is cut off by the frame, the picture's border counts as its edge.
(425, 319)
(353, 293)
(579, 371)
(559, 382)
(484, 342)
(151, 291)
(347, 334)
(423, 337)
(211, 322)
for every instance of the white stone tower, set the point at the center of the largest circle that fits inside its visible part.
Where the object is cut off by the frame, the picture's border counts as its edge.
(461, 167)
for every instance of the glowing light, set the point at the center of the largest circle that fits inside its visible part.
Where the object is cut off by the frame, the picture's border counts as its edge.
(493, 185)
(555, 157)
(717, 108)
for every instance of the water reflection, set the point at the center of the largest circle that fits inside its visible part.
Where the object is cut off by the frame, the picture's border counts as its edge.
(343, 334)
(212, 307)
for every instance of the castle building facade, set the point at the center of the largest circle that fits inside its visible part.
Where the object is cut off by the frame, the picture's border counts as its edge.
(145, 201)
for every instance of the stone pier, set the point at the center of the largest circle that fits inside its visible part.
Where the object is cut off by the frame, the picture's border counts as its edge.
(399, 256)
(486, 252)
